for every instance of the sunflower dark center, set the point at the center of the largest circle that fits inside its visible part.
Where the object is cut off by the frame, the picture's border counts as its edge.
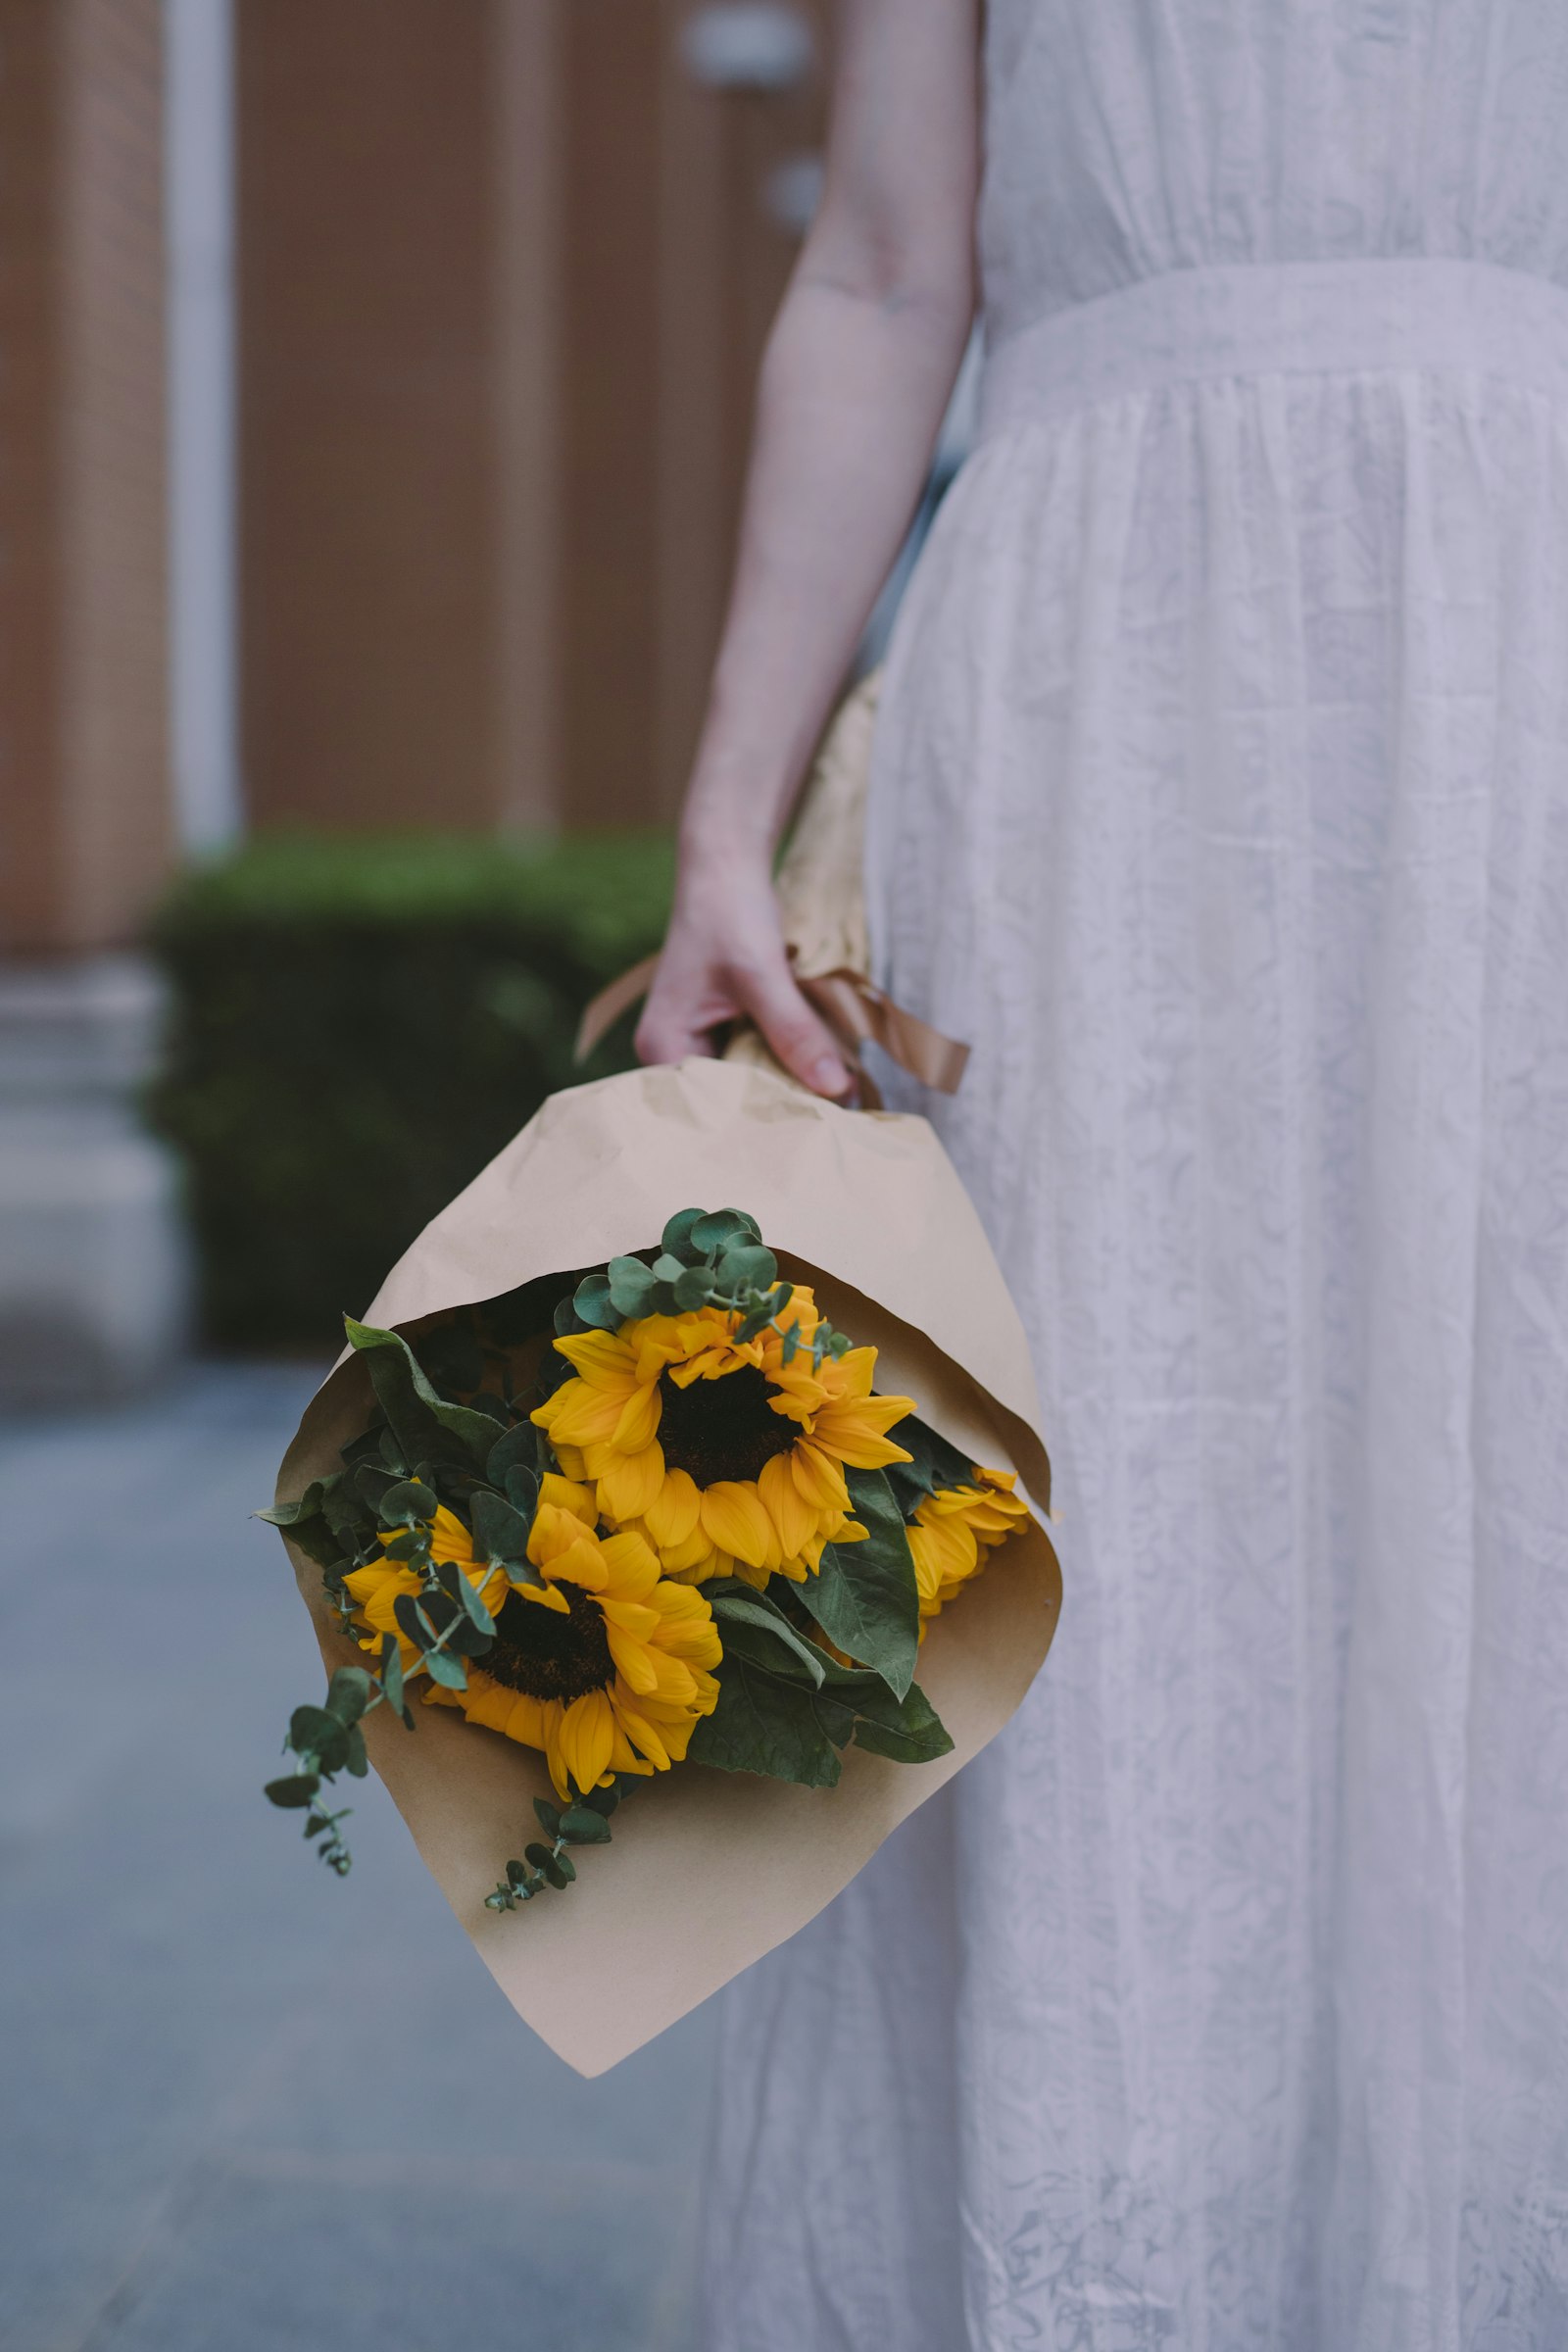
(723, 1428)
(547, 1654)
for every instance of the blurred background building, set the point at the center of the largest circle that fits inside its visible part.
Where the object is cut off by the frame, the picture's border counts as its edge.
(374, 385)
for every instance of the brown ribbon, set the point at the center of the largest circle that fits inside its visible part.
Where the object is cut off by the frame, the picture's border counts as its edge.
(853, 1008)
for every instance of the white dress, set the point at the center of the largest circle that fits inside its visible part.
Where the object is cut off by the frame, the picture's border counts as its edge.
(1221, 800)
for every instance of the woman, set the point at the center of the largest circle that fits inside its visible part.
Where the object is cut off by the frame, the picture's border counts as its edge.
(1220, 799)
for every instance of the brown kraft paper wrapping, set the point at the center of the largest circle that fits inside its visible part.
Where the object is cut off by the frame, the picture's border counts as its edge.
(709, 1870)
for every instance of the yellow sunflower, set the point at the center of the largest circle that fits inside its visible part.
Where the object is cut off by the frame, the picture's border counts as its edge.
(730, 1460)
(605, 1668)
(954, 1529)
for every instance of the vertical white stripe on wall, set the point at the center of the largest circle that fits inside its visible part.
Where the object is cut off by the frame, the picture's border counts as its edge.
(198, 180)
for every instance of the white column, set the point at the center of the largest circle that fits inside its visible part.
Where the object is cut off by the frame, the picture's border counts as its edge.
(199, 166)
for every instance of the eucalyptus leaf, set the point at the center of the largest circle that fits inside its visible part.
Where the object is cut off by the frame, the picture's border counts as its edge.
(676, 1238)
(519, 1449)
(348, 1693)
(391, 1672)
(631, 1286)
(447, 1670)
(593, 1303)
(413, 1620)
(499, 1532)
(548, 1816)
(522, 1491)
(722, 1227)
(407, 1502)
(749, 1266)
(356, 1760)
(584, 1827)
(296, 1789)
(603, 1801)
(692, 1290)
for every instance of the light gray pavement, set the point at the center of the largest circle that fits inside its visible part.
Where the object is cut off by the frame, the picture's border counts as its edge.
(247, 2107)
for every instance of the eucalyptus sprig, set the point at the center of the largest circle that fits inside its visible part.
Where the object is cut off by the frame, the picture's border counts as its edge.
(705, 1258)
(584, 1823)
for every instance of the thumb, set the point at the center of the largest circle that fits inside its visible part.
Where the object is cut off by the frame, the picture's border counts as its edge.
(801, 1042)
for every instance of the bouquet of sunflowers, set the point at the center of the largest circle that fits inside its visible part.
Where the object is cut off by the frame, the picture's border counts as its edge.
(687, 1529)
(605, 1501)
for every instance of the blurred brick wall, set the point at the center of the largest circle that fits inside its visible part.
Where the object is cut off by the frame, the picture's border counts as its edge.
(86, 831)
(504, 278)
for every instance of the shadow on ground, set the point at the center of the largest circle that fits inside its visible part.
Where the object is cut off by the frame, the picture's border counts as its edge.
(250, 2108)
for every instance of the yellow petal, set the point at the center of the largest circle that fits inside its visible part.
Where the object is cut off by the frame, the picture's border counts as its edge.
(585, 1739)
(634, 1660)
(734, 1519)
(568, 1494)
(628, 1487)
(792, 1515)
(638, 1425)
(674, 1510)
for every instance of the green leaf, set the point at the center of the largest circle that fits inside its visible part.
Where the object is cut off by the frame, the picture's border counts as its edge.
(677, 1237)
(356, 1760)
(499, 1532)
(407, 1502)
(743, 1606)
(722, 1226)
(560, 1870)
(408, 1402)
(537, 1854)
(456, 1586)
(522, 1491)
(548, 1816)
(295, 1790)
(307, 1526)
(631, 1286)
(592, 1302)
(348, 1693)
(692, 1288)
(390, 1670)
(748, 1267)
(312, 1731)
(667, 1268)
(583, 1827)
(413, 1621)
(764, 1726)
(908, 1728)
(865, 1595)
(446, 1669)
(519, 1449)
(936, 1463)
(599, 1800)
(291, 1514)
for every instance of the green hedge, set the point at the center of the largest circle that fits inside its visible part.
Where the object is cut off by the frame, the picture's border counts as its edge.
(357, 1025)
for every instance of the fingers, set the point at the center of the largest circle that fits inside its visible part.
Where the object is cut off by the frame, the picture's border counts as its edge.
(801, 1040)
(663, 1034)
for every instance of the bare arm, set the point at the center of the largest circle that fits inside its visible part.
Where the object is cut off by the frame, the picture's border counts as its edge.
(857, 376)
